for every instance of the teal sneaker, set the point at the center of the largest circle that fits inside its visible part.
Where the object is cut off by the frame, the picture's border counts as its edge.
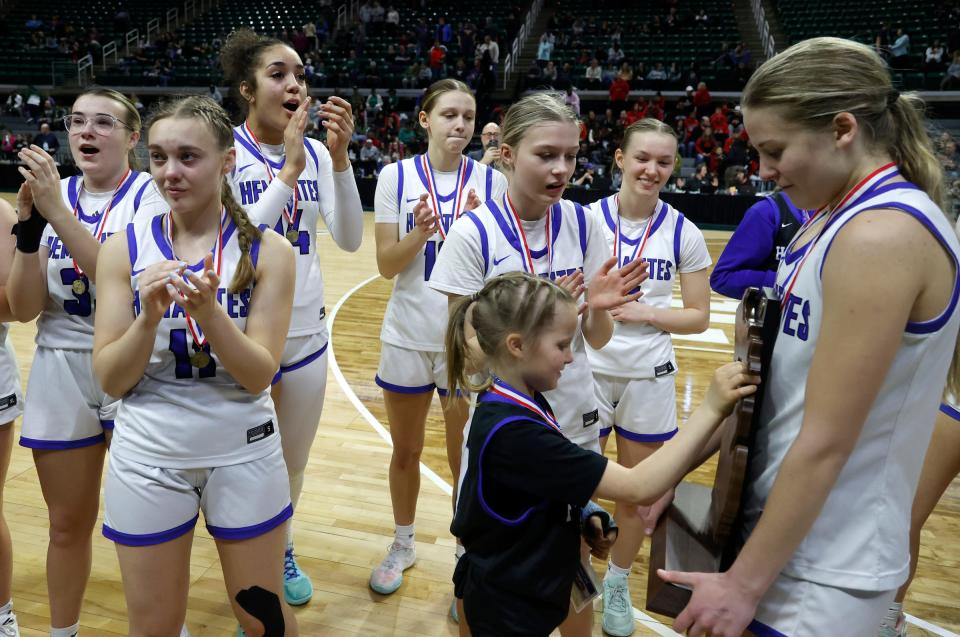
(454, 614)
(240, 632)
(297, 587)
(617, 608)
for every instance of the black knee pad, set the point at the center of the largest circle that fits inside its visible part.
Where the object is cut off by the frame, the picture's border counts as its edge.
(265, 606)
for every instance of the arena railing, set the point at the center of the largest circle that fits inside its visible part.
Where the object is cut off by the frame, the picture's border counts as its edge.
(513, 55)
(763, 26)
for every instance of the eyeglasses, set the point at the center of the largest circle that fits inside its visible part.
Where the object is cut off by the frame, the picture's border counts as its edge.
(103, 124)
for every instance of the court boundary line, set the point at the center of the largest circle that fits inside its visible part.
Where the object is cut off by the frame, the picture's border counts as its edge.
(650, 622)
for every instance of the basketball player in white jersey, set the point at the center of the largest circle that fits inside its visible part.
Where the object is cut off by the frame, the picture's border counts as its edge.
(867, 336)
(67, 417)
(11, 406)
(417, 200)
(635, 372)
(289, 183)
(532, 229)
(195, 306)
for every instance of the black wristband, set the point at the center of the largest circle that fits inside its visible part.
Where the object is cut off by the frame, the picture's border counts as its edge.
(30, 232)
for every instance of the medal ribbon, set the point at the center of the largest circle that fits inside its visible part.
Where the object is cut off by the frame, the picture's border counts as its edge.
(290, 214)
(432, 191)
(525, 254)
(638, 251)
(853, 195)
(199, 339)
(504, 390)
(102, 224)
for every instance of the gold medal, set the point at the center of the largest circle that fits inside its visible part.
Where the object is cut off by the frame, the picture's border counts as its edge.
(293, 236)
(200, 359)
(79, 286)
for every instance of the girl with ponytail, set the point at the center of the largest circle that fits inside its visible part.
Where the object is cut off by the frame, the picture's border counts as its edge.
(289, 183)
(62, 224)
(868, 290)
(196, 304)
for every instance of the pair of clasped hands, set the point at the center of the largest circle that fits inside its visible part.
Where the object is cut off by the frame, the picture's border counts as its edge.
(167, 282)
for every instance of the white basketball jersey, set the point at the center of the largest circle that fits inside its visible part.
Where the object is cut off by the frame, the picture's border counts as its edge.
(672, 245)
(67, 320)
(416, 315)
(314, 195)
(860, 538)
(188, 412)
(485, 243)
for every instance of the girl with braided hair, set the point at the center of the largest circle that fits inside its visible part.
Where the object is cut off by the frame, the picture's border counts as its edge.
(525, 487)
(196, 304)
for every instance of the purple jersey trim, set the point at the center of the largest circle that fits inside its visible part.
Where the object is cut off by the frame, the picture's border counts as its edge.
(149, 539)
(59, 445)
(256, 530)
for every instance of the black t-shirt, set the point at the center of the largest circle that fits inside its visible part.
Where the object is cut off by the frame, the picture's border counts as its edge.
(518, 516)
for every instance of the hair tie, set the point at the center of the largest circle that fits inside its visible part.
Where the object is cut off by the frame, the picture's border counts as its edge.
(475, 297)
(892, 97)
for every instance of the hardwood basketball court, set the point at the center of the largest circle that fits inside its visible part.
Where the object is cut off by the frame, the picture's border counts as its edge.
(344, 521)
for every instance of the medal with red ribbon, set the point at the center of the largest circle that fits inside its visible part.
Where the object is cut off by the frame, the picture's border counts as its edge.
(290, 213)
(852, 198)
(200, 358)
(79, 285)
(638, 251)
(507, 392)
(434, 196)
(526, 254)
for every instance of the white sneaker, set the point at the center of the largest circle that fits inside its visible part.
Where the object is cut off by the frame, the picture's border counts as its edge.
(9, 627)
(388, 577)
(898, 629)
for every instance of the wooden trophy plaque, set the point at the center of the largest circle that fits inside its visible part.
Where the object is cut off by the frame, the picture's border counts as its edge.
(698, 533)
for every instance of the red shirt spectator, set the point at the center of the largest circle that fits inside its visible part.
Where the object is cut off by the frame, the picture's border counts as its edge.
(706, 143)
(637, 113)
(719, 123)
(437, 55)
(619, 90)
(702, 99)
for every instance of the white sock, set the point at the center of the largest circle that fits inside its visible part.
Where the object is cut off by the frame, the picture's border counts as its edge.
(403, 535)
(69, 631)
(613, 569)
(893, 615)
(460, 551)
(290, 533)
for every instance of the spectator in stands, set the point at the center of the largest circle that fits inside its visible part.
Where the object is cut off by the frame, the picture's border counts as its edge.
(34, 23)
(933, 57)
(550, 74)
(300, 42)
(15, 104)
(534, 77)
(701, 99)
(489, 151)
(657, 75)
(615, 54)
(951, 79)
(425, 78)
(900, 49)
(741, 184)
(374, 104)
(438, 54)
(444, 32)
(619, 91)
(33, 105)
(701, 19)
(572, 100)
(719, 123)
(47, 140)
(544, 50)
(8, 144)
(215, 94)
(706, 143)
(392, 20)
(369, 151)
(593, 75)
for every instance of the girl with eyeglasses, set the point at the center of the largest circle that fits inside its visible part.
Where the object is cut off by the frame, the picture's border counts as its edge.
(68, 417)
